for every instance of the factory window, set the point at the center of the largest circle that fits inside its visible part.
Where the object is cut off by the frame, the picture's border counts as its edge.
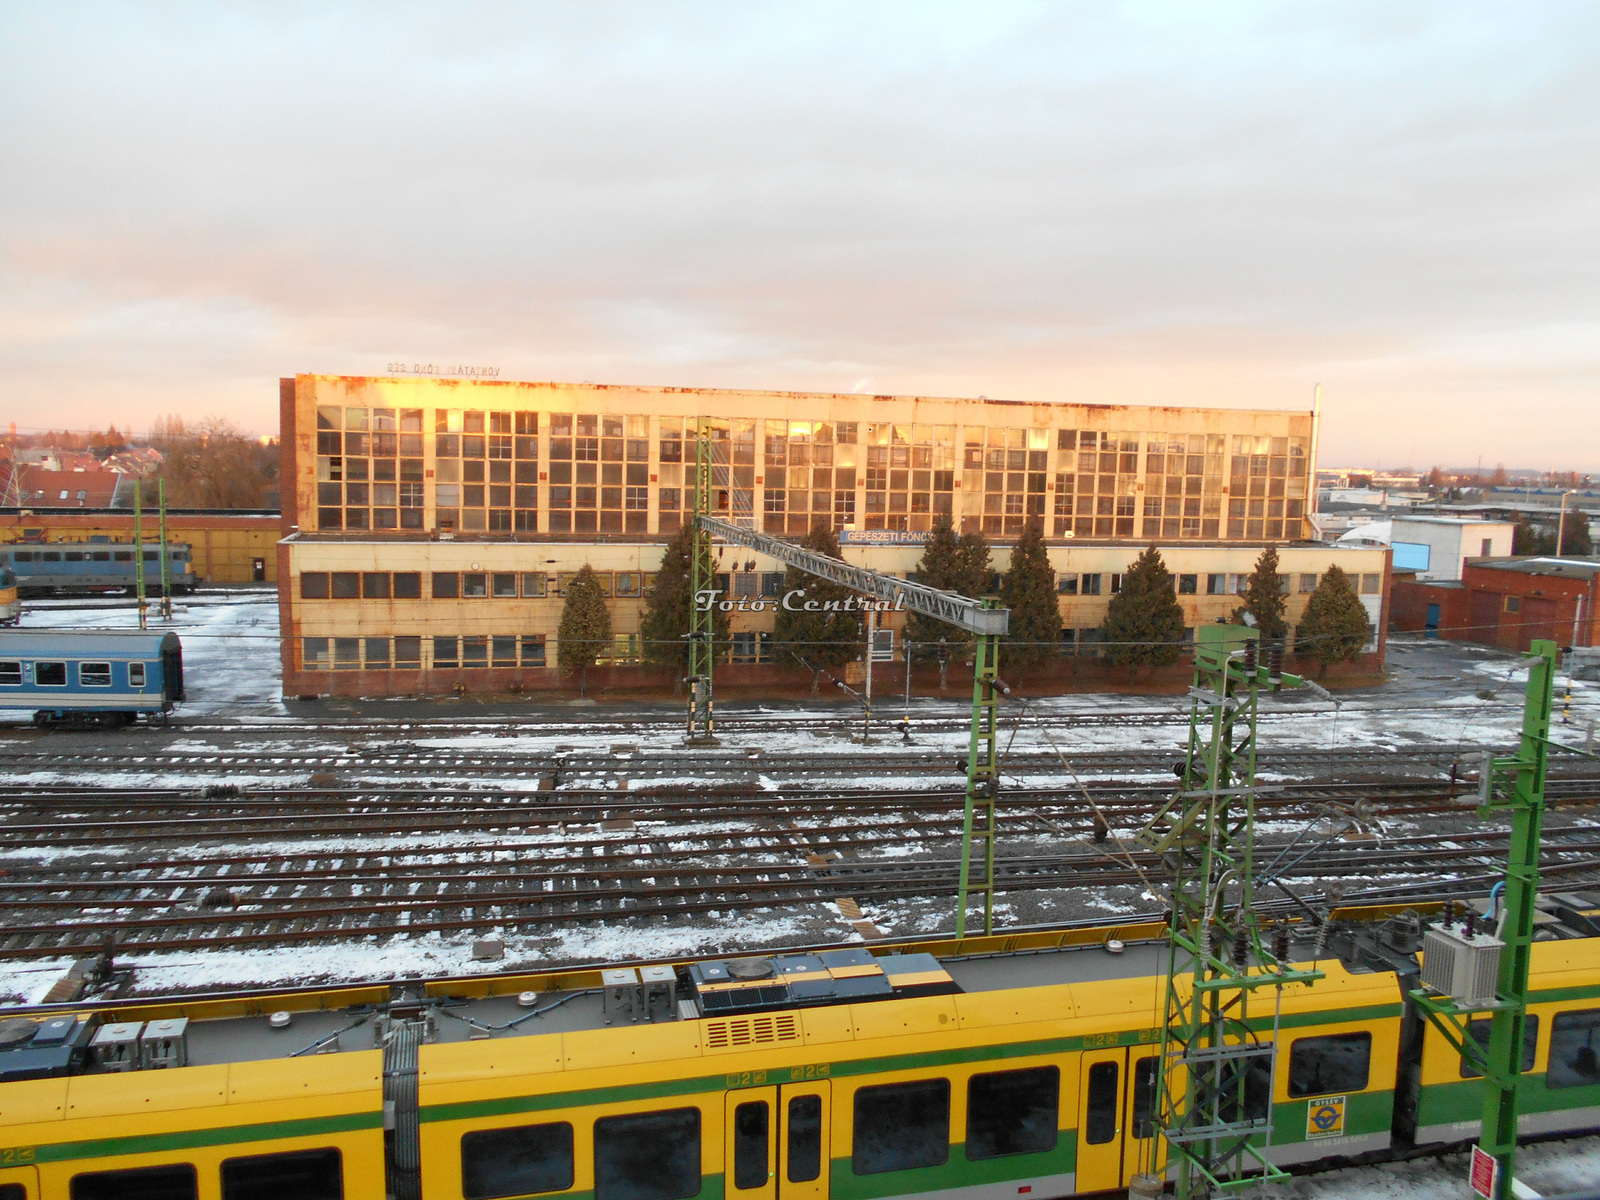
(313, 585)
(1090, 585)
(445, 652)
(1479, 1031)
(899, 1126)
(533, 584)
(518, 1161)
(1308, 583)
(1188, 585)
(1371, 585)
(375, 585)
(751, 1141)
(1101, 1104)
(345, 585)
(744, 647)
(627, 583)
(564, 580)
(375, 653)
(504, 585)
(1116, 583)
(772, 584)
(504, 650)
(648, 1156)
(303, 1174)
(804, 1145)
(1067, 583)
(11, 673)
(446, 585)
(475, 651)
(50, 674)
(97, 674)
(346, 654)
(314, 654)
(407, 653)
(1322, 1066)
(533, 650)
(1574, 1046)
(1013, 1112)
(174, 1181)
(408, 585)
(1513, 604)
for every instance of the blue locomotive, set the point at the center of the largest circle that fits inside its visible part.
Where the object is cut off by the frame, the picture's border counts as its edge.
(57, 567)
(102, 678)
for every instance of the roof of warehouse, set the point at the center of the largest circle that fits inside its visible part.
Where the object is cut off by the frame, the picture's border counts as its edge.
(1581, 568)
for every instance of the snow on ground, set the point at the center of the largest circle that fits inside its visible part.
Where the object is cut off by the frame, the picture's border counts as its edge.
(1549, 1168)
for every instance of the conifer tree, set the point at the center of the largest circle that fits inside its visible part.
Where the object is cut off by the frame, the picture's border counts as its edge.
(1144, 623)
(665, 626)
(828, 635)
(585, 630)
(974, 575)
(1575, 538)
(1029, 591)
(939, 567)
(1335, 625)
(1263, 598)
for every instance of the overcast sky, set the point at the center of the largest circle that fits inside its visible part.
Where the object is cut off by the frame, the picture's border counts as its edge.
(1189, 203)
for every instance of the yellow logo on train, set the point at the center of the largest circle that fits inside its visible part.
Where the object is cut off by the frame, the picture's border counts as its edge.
(1325, 1118)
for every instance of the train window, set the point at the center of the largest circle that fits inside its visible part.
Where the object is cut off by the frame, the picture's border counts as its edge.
(751, 1140)
(1144, 1098)
(177, 1181)
(1101, 1104)
(446, 584)
(152, 555)
(899, 1126)
(375, 585)
(303, 1174)
(50, 674)
(101, 556)
(1479, 1030)
(1321, 1066)
(1013, 1112)
(313, 585)
(804, 1146)
(49, 556)
(136, 675)
(408, 585)
(122, 555)
(648, 1156)
(344, 585)
(10, 673)
(94, 674)
(1574, 1041)
(74, 556)
(22, 556)
(13, 1191)
(517, 1161)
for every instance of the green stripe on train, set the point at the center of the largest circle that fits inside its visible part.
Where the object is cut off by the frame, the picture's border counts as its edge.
(957, 1171)
(189, 1139)
(1462, 1099)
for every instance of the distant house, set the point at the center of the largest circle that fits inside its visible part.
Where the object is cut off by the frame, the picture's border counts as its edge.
(136, 460)
(34, 486)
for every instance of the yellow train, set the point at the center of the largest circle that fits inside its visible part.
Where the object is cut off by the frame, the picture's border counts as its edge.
(991, 1069)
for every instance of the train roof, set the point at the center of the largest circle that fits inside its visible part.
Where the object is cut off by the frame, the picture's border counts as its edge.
(88, 641)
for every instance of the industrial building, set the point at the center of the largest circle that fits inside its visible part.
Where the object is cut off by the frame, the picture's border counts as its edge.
(225, 546)
(431, 524)
(1435, 548)
(1506, 602)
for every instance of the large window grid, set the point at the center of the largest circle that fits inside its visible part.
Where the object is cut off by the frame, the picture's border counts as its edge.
(810, 476)
(365, 459)
(1267, 486)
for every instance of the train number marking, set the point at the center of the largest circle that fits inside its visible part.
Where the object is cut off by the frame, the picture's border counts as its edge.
(11, 1156)
(812, 1071)
(740, 1079)
(1325, 1117)
(1093, 1041)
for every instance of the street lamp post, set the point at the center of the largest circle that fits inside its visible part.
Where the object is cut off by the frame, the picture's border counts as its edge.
(1561, 522)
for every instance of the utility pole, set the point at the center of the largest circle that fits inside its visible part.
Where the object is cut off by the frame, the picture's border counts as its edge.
(1512, 785)
(866, 707)
(1216, 958)
(983, 778)
(138, 551)
(166, 557)
(702, 616)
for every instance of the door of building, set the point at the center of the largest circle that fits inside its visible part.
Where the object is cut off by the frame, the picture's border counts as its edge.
(1486, 617)
(258, 570)
(1433, 621)
(1539, 621)
(776, 1144)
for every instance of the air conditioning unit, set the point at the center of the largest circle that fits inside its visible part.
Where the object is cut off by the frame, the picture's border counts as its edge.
(1467, 968)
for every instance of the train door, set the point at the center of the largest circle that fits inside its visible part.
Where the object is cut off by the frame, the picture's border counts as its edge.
(1139, 1143)
(776, 1143)
(1101, 1079)
(19, 1183)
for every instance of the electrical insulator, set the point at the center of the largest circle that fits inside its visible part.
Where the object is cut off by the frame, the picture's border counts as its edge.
(1250, 657)
(1241, 948)
(1275, 663)
(1470, 925)
(1280, 944)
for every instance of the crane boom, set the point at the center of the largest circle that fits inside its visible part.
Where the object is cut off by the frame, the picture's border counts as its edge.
(950, 607)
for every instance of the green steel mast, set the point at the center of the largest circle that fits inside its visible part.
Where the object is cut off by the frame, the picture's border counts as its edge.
(702, 617)
(983, 779)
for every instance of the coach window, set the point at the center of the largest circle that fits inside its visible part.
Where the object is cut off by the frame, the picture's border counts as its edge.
(1101, 1103)
(407, 653)
(303, 1174)
(27, 556)
(1144, 1097)
(1013, 1112)
(519, 1161)
(94, 674)
(345, 585)
(10, 674)
(55, 556)
(105, 556)
(375, 585)
(1479, 1030)
(177, 1181)
(313, 585)
(751, 1139)
(135, 675)
(50, 674)
(75, 555)
(475, 585)
(1574, 1045)
(1321, 1066)
(407, 585)
(533, 585)
(899, 1126)
(446, 585)
(648, 1156)
(117, 556)
(504, 585)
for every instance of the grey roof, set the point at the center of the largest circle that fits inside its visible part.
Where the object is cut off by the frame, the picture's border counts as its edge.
(1573, 567)
(87, 641)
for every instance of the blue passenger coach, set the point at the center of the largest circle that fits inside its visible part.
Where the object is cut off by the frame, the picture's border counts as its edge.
(62, 568)
(103, 678)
